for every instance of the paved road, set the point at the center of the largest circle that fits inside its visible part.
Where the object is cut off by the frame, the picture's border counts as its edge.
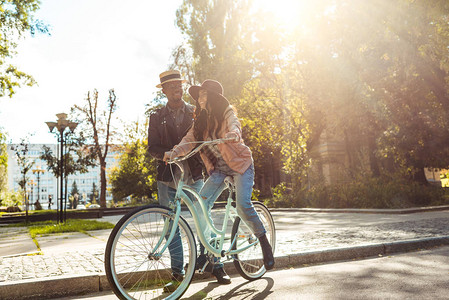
(415, 275)
(75, 260)
(297, 232)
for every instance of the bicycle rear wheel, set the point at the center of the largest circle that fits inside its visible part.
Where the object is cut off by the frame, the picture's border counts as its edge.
(249, 263)
(133, 271)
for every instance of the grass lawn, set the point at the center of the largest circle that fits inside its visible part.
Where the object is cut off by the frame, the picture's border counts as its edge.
(71, 225)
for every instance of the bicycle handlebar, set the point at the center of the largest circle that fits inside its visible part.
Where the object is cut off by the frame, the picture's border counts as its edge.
(197, 149)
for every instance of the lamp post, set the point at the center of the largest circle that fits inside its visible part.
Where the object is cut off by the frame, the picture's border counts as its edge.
(31, 185)
(27, 196)
(61, 124)
(38, 171)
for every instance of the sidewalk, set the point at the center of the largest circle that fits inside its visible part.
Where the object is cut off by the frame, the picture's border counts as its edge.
(72, 263)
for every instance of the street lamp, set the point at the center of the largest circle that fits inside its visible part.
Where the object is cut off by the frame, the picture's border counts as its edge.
(61, 124)
(31, 184)
(38, 171)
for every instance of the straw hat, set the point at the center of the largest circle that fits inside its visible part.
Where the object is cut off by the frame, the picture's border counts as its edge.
(168, 76)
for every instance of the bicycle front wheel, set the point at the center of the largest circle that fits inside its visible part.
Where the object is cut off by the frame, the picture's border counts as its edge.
(134, 267)
(249, 263)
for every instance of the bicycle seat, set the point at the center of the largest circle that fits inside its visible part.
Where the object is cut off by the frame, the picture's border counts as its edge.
(229, 180)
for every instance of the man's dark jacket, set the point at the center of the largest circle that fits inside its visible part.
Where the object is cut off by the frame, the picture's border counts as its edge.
(163, 136)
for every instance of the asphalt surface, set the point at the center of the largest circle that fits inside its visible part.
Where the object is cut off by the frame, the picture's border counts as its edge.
(72, 263)
(413, 275)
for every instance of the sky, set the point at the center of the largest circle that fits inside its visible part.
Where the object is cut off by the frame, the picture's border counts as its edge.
(99, 44)
(94, 44)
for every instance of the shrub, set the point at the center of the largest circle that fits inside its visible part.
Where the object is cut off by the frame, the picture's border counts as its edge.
(368, 192)
(11, 198)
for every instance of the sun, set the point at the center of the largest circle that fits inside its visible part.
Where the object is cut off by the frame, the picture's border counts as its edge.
(287, 12)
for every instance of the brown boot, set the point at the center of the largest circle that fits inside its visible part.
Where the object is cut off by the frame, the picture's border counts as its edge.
(268, 259)
(222, 277)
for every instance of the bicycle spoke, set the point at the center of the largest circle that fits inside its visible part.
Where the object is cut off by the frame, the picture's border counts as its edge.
(249, 263)
(130, 269)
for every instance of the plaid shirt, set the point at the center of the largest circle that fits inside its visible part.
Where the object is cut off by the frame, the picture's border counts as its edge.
(213, 154)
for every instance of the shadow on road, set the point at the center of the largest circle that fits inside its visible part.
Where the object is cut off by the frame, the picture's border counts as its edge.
(257, 289)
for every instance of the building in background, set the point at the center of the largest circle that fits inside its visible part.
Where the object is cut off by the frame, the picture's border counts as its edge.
(48, 183)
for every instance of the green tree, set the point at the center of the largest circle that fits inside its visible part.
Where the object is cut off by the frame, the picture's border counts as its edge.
(376, 72)
(99, 130)
(74, 194)
(135, 175)
(327, 69)
(3, 165)
(216, 33)
(78, 158)
(74, 189)
(226, 42)
(94, 194)
(415, 90)
(16, 19)
(370, 74)
(24, 162)
(262, 117)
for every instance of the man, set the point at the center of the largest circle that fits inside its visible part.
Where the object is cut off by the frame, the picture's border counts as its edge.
(167, 127)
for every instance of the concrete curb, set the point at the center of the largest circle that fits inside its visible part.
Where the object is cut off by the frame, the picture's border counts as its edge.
(61, 286)
(364, 210)
(41, 288)
(359, 252)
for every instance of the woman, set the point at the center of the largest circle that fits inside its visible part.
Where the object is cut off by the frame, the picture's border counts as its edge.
(214, 119)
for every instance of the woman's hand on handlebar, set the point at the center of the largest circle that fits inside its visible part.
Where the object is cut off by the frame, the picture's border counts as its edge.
(168, 156)
(232, 137)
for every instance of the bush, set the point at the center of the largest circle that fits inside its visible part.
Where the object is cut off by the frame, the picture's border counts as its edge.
(11, 198)
(283, 196)
(368, 192)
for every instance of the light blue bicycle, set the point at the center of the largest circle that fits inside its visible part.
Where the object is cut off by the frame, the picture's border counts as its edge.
(138, 261)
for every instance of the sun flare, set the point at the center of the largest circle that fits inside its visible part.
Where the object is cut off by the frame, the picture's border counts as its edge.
(287, 12)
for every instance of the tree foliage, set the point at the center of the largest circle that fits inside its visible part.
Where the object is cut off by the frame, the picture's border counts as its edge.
(24, 162)
(385, 82)
(371, 76)
(214, 34)
(16, 19)
(135, 175)
(94, 193)
(3, 165)
(74, 195)
(77, 157)
(229, 43)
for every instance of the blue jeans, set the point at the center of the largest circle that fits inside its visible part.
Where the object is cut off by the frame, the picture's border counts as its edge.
(215, 185)
(165, 195)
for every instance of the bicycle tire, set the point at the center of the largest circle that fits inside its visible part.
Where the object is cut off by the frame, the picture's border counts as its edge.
(131, 273)
(249, 263)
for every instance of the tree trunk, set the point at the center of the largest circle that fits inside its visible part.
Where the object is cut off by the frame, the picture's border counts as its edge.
(103, 183)
(420, 176)
(349, 154)
(372, 156)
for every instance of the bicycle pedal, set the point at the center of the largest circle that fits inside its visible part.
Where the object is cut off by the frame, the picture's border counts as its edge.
(207, 267)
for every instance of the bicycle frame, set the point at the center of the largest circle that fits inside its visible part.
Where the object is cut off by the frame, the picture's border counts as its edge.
(230, 213)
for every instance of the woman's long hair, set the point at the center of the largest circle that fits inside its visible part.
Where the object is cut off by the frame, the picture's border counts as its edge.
(210, 118)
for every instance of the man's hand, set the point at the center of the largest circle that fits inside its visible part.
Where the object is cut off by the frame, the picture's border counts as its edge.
(232, 136)
(168, 155)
